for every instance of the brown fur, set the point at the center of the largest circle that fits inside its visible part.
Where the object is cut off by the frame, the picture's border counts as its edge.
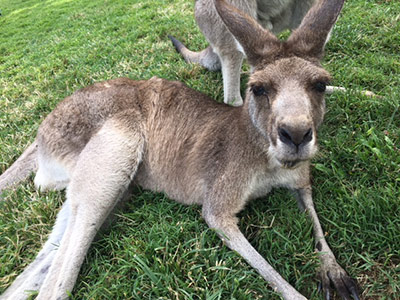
(167, 137)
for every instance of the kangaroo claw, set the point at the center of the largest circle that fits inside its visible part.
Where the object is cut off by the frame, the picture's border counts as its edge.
(336, 277)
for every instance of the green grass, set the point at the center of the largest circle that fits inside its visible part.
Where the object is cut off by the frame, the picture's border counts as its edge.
(159, 249)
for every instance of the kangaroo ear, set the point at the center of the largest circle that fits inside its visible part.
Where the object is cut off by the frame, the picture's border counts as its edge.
(313, 33)
(254, 39)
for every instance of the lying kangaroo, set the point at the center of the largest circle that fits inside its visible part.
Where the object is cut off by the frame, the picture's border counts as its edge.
(166, 137)
(224, 52)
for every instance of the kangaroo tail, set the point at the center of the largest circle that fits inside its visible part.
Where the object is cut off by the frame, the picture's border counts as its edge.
(20, 169)
(207, 58)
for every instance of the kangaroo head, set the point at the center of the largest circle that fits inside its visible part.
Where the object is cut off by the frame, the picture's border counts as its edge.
(285, 95)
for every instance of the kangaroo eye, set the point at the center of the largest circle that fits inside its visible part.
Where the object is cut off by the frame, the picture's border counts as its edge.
(259, 91)
(320, 86)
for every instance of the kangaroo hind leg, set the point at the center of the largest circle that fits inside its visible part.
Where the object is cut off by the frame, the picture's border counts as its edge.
(33, 276)
(102, 174)
(101, 177)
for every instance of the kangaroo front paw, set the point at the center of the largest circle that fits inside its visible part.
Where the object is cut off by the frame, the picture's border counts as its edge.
(234, 102)
(333, 275)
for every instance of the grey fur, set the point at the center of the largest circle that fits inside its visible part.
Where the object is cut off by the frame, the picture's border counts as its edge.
(223, 52)
(166, 137)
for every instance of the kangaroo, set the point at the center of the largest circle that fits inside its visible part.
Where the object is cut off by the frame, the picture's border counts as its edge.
(224, 52)
(164, 136)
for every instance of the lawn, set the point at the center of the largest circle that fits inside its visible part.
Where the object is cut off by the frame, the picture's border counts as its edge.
(158, 249)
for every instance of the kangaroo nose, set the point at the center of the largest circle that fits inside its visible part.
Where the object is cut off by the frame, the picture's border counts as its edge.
(295, 137)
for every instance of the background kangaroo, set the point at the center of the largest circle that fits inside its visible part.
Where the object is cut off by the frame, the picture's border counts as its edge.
(166, 137)
(225, 52)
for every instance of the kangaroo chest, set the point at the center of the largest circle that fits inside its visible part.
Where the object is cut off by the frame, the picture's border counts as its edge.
(262, 182)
